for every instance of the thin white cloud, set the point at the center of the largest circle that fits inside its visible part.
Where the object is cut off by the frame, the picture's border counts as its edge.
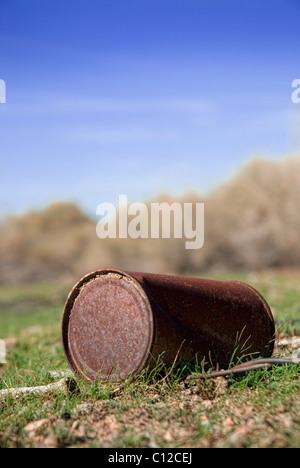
(52, 104)
(118, 135)
(137, 105)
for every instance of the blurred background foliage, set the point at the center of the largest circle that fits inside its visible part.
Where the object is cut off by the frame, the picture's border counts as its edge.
(251, 224)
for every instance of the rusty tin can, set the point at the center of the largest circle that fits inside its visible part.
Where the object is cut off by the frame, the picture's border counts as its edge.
(116, 323)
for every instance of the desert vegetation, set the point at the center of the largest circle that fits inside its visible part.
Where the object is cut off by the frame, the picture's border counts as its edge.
(251, 223)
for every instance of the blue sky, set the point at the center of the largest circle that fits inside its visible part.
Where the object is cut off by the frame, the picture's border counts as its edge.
(139, 97)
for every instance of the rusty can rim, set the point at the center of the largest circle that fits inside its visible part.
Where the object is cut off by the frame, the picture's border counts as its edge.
(74, 293)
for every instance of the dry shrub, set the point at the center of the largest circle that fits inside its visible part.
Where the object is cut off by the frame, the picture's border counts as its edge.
(251, 222)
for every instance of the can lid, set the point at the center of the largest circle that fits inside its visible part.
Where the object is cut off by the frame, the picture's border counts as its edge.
(107, 326)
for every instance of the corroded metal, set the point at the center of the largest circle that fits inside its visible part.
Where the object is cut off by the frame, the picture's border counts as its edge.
(115, 323)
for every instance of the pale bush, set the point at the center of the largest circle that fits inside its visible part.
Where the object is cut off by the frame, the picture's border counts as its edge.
(251, 222)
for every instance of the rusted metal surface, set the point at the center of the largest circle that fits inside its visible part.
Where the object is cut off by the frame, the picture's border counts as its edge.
(115, 323)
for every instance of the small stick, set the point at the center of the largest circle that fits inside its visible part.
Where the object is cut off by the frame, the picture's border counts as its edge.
(62, 386)
(245, 367)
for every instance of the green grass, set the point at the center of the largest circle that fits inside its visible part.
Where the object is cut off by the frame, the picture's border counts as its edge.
(23, 306)
(259, 408)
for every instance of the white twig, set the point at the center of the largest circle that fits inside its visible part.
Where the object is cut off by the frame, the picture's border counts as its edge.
(62, 386)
